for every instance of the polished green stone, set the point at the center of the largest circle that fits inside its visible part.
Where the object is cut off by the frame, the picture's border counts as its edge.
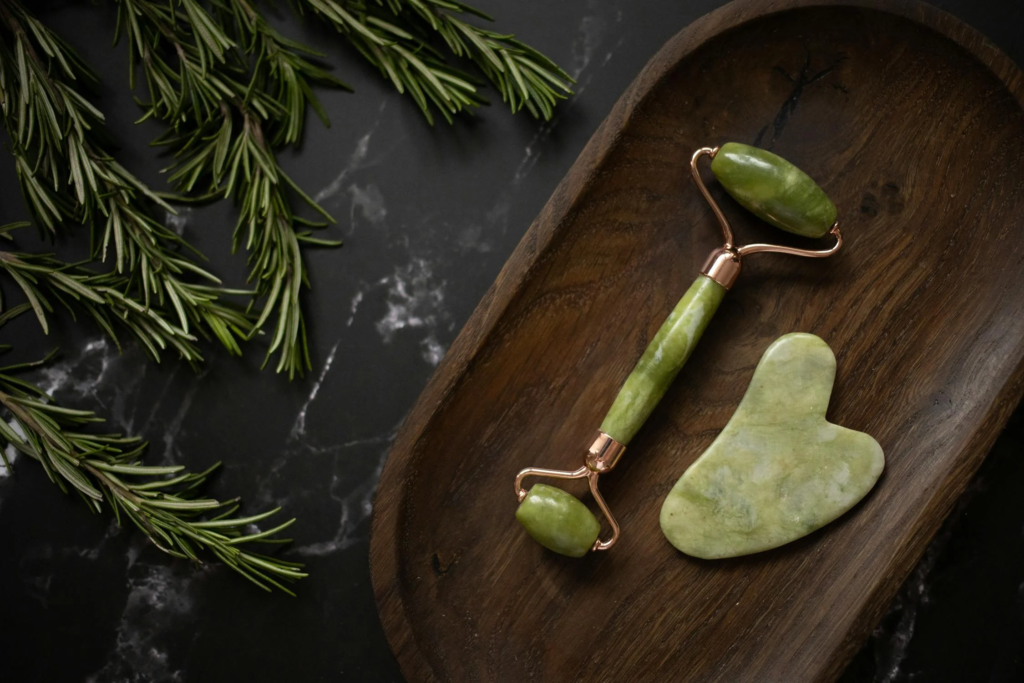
(774, 189)
(778, 470)
(663, 359)
(558, 520)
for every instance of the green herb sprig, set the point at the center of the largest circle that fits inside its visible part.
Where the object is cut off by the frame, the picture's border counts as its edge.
(42, 277)
(57, 141)
(229, 102)
(394, 36)
(232, 92)
(163, 502)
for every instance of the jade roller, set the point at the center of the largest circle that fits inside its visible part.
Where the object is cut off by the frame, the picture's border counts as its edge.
(769, 187)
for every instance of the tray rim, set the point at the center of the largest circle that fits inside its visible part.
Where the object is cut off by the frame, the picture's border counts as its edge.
(388, 508)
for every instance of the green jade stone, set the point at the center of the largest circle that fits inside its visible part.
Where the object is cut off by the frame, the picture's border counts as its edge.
(779, 470)
(774, 190)
(663, 359)
(558, 520)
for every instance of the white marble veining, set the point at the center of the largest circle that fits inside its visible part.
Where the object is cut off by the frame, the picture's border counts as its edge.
(99, 377)
(415, 300)
(299, 426)
(353, 306)
(10, 452)
(369, 202)
(67, 374)
(471, 238)
(432, 350)
(355, 504)
(174, 426)
(476, 237)
(590, 35)
(357, 161)
(178, 221)
(160, 603)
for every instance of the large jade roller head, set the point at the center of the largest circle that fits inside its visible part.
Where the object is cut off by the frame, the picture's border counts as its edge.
(772, 189)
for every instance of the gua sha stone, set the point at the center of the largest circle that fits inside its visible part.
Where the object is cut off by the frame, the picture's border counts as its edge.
(779, 470)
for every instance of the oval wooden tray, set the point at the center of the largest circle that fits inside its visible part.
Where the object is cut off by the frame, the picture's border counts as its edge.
(913, 124)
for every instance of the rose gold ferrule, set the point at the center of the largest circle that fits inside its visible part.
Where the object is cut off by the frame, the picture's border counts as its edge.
(722, 266)
(604, 453)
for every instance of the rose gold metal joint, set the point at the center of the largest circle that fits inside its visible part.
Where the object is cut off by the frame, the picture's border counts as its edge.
(604, 453)
(722, 266)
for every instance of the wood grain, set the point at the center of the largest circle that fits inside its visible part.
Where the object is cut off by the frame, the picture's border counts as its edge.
(914, 125)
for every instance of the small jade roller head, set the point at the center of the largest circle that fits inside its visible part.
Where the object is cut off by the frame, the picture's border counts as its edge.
(775, 191)
(558, 520)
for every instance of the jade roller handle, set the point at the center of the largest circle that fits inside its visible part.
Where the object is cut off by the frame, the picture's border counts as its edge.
(663, 359)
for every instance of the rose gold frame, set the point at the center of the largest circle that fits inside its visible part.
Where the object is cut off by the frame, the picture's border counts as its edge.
(602, 456)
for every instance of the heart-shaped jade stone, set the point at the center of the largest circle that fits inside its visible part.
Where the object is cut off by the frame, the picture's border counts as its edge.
(778, 470)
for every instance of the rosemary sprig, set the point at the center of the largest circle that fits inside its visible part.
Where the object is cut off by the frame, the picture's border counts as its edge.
(162, 502)
(396, 41)
(232, 90)
(229, 102)
(404, 58)
(100, 295)
(57, 140)
(524, 76)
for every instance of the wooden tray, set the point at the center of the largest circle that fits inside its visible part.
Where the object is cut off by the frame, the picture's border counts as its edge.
(913, 124)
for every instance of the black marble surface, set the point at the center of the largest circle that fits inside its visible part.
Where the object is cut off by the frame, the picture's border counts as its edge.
(429, 217)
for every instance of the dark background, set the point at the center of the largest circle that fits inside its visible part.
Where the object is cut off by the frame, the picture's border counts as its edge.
(429, 216)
